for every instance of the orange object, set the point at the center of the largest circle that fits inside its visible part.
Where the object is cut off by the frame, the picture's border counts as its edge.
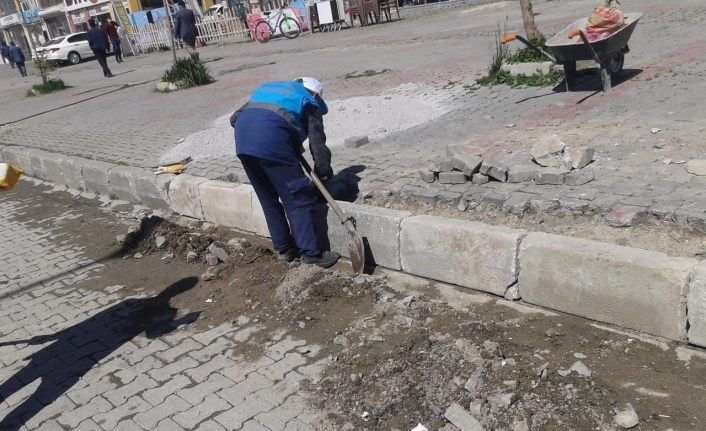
(573, 33)
(508, 38)
(605, 19)
(9, 175)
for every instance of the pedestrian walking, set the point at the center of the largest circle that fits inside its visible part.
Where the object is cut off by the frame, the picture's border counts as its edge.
(111, 32)
(98, 42)
(17, 57)
(5, 53)
(269, 132)
(185, 29)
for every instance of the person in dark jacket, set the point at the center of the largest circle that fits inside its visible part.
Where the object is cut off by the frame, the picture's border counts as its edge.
(269, 132)
(98, 42)
(5, 53)
(17, 57)
(185, 29)
(111, 32)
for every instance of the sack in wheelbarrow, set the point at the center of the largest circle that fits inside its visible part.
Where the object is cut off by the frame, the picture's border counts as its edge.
(606, 19)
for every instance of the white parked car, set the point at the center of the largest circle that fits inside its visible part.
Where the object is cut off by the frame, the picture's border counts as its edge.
(215, 11)
(71, 48)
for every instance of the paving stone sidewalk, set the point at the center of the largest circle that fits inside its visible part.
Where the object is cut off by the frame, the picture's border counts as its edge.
(97, 370)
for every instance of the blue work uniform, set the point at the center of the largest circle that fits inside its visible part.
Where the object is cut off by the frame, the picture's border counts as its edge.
(269, 132)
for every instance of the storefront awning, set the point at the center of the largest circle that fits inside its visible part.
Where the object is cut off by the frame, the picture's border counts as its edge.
(53, 11)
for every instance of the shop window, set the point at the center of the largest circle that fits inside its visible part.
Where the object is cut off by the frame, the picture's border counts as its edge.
(151, 4)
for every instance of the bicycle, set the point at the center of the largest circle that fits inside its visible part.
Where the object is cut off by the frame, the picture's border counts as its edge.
(288, 27)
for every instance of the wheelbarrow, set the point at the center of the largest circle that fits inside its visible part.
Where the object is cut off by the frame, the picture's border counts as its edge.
(571, 45)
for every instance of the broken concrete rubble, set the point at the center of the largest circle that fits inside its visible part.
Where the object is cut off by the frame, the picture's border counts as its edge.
(626, 216)
(696, 167)
(494, 170)
(467, 163)
(577, 157)
(551, 176)
(355, 141)
(522, 173)
(427, 175)
(461, 419)
(548, 151)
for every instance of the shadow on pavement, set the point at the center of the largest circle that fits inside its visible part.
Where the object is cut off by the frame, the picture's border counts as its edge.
(77, 349)
(147, 227)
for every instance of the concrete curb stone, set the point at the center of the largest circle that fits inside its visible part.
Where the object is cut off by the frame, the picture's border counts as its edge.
(464, 253)
(629, 287)
(19, 156)
(227, 204)
(184, 195)
(140, 185)
(379, 227)
(696, 303)
(96, 176)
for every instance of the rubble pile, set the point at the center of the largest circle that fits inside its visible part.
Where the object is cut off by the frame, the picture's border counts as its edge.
(553, 163)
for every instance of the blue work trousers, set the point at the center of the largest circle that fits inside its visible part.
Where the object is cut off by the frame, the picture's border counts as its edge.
(291, 222)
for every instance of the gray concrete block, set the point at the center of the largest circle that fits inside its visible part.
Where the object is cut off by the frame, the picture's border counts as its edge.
(45, 165)
(626, 215)
(184, 195)
(379, 227)
(453, 177)
(140, 186)
(443, 165)
(20, 157)
(467, 163)
(522, 173)
(227, 204)
(494, 170)
(259, 224)
(465, 253)
(480, 179)
(71, 172)
(577, 156)
(628, 287)
(427, 175)
(96, 176)
(579, 177)
(551, 176)
(697, 306)
(518, 203)
(355, 141)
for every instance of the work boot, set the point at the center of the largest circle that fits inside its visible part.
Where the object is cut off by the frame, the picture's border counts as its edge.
(325, 260)
(288, 255)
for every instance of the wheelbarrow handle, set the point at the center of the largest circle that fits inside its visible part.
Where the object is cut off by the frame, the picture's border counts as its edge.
(508, 38)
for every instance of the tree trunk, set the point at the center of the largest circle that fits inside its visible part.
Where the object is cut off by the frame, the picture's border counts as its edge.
(528, 18)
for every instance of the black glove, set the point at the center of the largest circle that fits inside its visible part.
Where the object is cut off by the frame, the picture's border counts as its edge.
(324, 174)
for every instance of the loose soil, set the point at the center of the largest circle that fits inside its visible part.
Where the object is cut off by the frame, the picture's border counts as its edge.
(404, 348)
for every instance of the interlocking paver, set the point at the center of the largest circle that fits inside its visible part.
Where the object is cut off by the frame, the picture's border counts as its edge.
(213, 384)
(129, 408)
(149, 419)
(238, 415)
(72, 419)
(237, 394)
(210, 406)
(157, 395)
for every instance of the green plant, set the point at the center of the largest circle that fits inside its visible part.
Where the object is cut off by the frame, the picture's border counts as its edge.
(527, 54)
(536, 80)
(187, 73)
(50, 86)
(498, 53)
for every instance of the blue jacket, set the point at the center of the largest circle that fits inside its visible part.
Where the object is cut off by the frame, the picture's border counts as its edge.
(185, 24)
(97, 39)
(279, 117)
(16, 55)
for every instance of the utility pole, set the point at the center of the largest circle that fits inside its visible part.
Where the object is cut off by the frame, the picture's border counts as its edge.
(20, 10)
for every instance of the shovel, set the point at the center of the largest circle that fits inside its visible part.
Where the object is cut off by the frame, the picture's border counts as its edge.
(356, 250)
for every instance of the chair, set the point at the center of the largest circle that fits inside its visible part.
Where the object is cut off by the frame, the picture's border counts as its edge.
(386, 7)
(355, 9)
(371, 9)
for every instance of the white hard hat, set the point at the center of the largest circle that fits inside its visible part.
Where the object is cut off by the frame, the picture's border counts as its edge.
(312, 85)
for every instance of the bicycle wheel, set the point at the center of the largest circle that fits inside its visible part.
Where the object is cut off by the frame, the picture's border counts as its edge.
(262, 32)
(290, 28)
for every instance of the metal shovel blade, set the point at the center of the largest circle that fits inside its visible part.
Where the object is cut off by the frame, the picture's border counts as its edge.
(356, 248)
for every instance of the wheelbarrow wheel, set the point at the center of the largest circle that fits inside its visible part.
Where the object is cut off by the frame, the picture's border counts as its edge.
(615, 64)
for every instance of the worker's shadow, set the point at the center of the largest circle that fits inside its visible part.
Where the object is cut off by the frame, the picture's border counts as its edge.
(75, 350)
